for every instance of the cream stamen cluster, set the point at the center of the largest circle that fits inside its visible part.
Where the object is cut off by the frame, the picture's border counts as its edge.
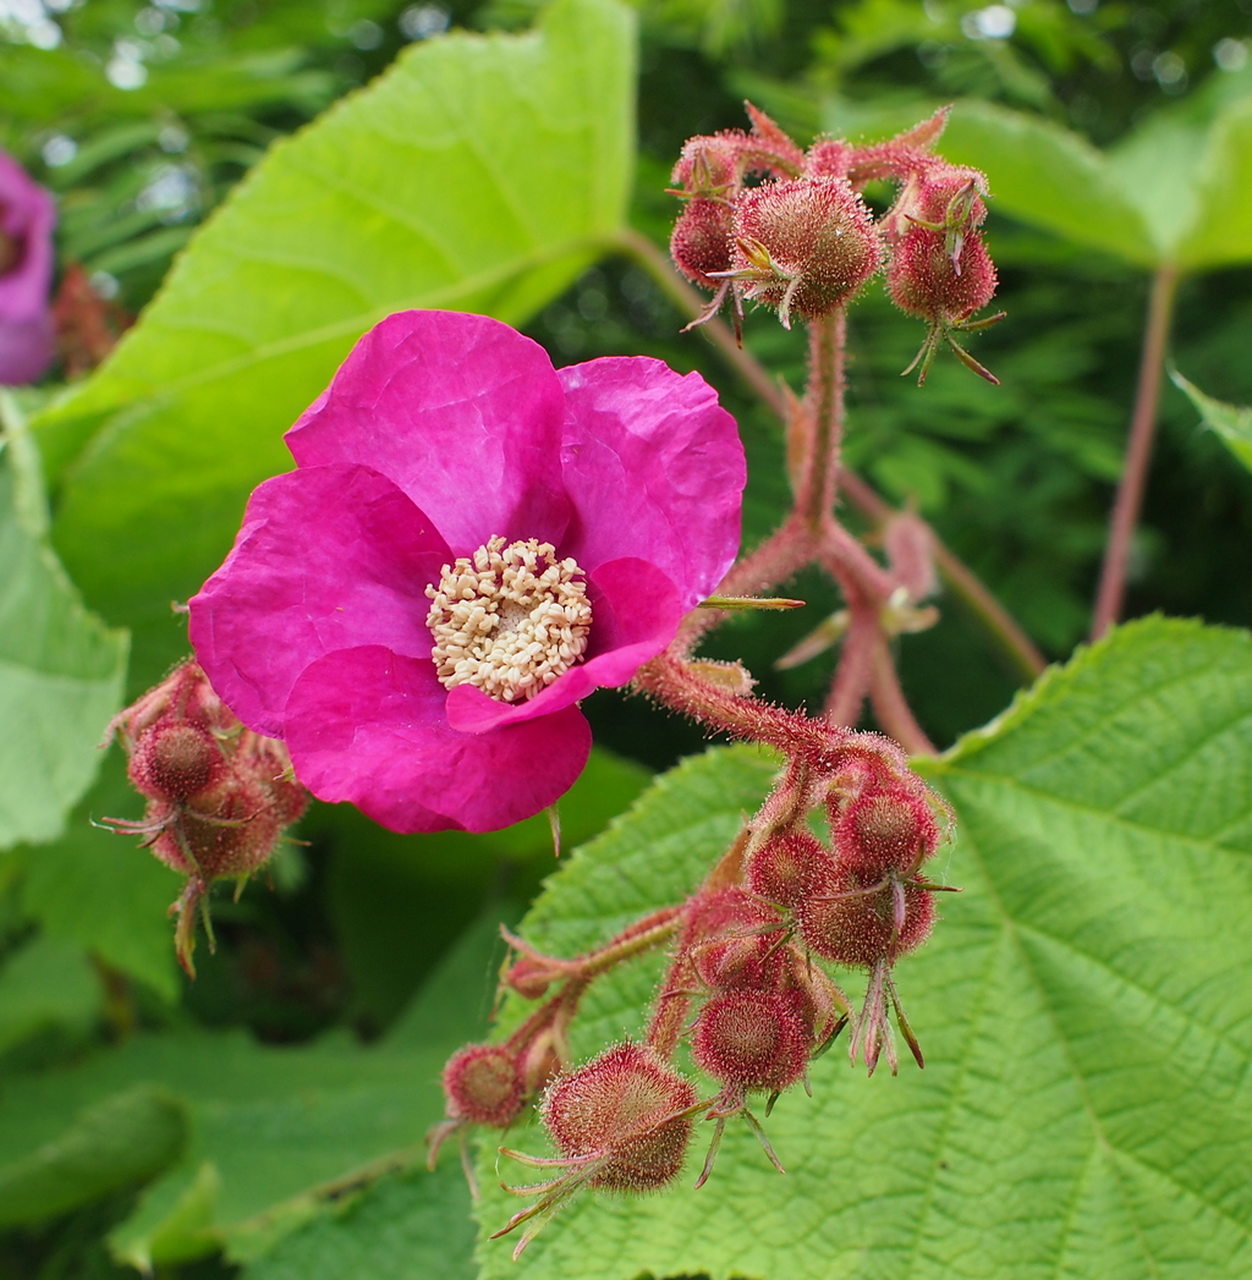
(509, 619)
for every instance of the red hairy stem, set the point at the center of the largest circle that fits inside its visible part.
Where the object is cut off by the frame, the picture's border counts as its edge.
(824, 399)
(890, 705)
(852, 675)
(973, 593)
(1129, 500)
(669, 680)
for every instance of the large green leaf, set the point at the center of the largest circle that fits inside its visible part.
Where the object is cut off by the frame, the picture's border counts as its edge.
(1084, 1007)
(274, 1137)
(61, 669)
(1051, 178)
(479, 173)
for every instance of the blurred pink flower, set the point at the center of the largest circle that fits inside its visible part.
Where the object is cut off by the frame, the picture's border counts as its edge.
(471, 543)
(27, 216)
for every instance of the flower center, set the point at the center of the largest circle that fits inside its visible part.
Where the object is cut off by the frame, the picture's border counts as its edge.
(509, 619)
(10, 251)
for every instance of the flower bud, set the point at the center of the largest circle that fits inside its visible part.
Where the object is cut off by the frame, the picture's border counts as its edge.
(884, 832)
(751, 1040)
(819, 239)
(701, 241)
(483, 1085)
(784, 868)
(925, 280)
(173, 759)
(628, 1107)
(852, 927)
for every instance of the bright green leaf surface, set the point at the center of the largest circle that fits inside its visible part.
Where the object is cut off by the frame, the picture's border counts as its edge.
(1222, 230)
(413, 1225)
(61, 672)
(273, 1134)
(1233, 423)
(1084, 1007)
(479, 173)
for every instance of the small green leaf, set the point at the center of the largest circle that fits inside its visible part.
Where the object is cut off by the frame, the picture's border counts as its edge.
(1084, 1008)
(479, 173)
(61, 669)
(1233, 423)
(123, 1140)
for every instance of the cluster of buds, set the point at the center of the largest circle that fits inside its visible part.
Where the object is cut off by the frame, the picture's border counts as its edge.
(219, 796)
(746, 989)
(768, 222)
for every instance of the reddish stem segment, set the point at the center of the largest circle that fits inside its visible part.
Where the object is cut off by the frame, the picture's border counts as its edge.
(1129, 501)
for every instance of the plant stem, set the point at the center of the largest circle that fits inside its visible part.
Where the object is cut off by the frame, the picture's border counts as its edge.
(891, 707)
(824, 402)
(969, 589)
(1129, 500)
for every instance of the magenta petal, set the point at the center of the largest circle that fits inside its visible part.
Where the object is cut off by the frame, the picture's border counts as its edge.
(462, 412)
(367, 726)
(27, 218)
(635, 614)
(328, 558)
(655, 469)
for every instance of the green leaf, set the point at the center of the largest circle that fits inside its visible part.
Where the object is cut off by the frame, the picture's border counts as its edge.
(413, 1224)
(1084, 1007)
(398, 901)
(61, 669)
(274, 1136)
(46, 984)
(102, 891)
(1221, 232)
(1233, 423)
(112, 1144)
(479, 173)
(1050, 177)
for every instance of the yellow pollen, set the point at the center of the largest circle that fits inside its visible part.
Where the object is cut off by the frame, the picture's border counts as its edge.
(509, 619)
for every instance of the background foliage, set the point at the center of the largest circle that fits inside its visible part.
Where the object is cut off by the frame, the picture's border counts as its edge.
(1086, 1021)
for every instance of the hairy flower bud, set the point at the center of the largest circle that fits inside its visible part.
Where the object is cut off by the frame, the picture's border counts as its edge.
(818, 239)
(173, 759)
(629, 1108)
(751, 1040)
(924, 279)
(882, 832)
(786, 865)
(701, 241)
(483, 1085)
(859, 925)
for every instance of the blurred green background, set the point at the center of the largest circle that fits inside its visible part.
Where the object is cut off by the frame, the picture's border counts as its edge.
(143, 117)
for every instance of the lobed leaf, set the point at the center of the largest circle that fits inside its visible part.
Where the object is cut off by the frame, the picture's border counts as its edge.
(1084, 1008)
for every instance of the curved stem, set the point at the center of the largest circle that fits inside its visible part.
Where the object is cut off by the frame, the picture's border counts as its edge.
(1129, 500)
(824, 401)
(969, 589)
(892, 708)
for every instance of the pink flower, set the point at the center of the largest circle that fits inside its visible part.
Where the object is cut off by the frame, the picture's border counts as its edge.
(471, 543)
(27, 216)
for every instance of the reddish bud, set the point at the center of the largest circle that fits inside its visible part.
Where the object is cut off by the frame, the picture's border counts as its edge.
(785, 867)
(820, 240)
(829, 158)
(484, 1085)
(882, 832)
(229, 830)
(752, 1040)
(925, 280)
(173, 759)
(857, 928)
(629, 1108)
(701, 240)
